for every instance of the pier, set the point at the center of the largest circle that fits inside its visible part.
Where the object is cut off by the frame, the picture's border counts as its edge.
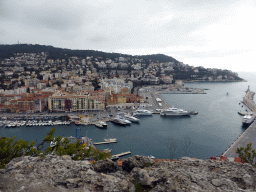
(105, 142)
(248, 136)
(122, 154)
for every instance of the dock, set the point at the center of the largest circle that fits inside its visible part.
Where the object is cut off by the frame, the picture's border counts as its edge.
(249, 135)
(105, 142)
(122, 154)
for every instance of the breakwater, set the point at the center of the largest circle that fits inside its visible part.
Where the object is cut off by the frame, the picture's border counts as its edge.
(248, 136)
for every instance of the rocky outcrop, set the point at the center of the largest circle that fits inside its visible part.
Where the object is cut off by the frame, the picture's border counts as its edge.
(138, 173)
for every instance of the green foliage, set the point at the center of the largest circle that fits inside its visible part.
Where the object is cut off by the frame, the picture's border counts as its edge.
(247, 154)
(10, 149)
(141, 188)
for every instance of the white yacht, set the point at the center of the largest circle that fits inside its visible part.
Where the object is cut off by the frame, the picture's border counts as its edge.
(131, 118)
(142, 112)
(103, 123)
(248, 119)
(124, 120)
(175, 112)
(110, 140)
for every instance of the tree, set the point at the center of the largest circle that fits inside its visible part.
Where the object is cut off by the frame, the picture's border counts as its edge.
(9, 149)
(247, 154)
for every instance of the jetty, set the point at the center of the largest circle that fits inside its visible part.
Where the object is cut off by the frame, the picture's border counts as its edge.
(122, 154)
(249, 135)
(105, 142)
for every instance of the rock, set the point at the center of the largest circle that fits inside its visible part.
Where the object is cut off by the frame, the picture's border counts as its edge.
(136, 161)
(66, 157)
(105, 166)
(56, 173)
(90, 172)
(73, 183)
(217, 182)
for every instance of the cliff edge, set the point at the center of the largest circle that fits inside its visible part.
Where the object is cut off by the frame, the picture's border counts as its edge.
(137, 173)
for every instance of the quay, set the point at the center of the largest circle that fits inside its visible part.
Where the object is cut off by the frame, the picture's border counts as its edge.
(248, 136)
(122, 154)
(105, 142)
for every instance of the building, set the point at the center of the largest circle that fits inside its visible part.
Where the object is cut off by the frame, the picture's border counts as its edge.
(62, 101)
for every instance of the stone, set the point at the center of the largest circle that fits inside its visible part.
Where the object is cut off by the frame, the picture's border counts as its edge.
(55, 173)
(105, 166)
(66, 157)
(136, 161)
(73, 183)
(217, 182)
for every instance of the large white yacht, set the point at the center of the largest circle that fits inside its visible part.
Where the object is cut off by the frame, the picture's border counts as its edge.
(175, 112)
(142, 112)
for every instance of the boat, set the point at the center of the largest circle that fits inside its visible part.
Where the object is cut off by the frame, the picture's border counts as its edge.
(107, 150)
(175, 112)
(114, 158)
(151, 157)
(110, 140)
(131, 118)
(142, 112)
(248, 119)
(118, 121)
(193, 112)
(103, 123)
(99, 125)
(124, 120)
(77, 123)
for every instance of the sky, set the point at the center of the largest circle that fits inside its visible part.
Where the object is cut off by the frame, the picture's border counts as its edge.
(209, 33)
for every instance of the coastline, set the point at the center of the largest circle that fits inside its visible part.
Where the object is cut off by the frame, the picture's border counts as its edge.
(215, 81)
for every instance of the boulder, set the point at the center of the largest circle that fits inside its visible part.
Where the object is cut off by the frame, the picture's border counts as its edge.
(136, 161)
(105, 166)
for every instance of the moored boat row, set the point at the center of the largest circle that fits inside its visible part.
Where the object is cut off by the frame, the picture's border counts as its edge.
(13, 124)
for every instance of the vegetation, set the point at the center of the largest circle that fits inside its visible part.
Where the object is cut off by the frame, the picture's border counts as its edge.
(7, 51)
(10, 149)
(247, 154)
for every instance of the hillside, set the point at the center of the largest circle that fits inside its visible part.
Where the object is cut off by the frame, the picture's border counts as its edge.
(7, 51)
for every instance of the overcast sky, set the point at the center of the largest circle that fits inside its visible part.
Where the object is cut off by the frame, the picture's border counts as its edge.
(209, 33)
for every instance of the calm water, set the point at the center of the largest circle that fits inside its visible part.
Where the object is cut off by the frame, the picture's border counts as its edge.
(211, 132)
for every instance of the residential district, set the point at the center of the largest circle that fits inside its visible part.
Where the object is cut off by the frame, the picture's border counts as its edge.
(33, 83)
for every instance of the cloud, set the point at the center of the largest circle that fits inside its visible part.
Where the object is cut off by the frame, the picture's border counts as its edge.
(185, 29)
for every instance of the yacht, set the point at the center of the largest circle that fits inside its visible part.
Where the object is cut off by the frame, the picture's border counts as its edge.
(131, 118)
(104, 124)
(124, 120)
(118, 121)
(175, 112)
(142, 112)
(248, 119)
(99, 125)
(110, 140)
(151, 157)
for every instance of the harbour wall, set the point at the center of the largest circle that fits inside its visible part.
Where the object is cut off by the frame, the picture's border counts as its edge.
(248, 136)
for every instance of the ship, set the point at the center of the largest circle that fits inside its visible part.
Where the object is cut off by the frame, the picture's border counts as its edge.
(142, 112)
(248, 119)
(131, 118)
(175, 112)
(118, 121)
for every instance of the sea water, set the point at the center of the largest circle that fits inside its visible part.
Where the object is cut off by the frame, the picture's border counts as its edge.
(207, 134)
